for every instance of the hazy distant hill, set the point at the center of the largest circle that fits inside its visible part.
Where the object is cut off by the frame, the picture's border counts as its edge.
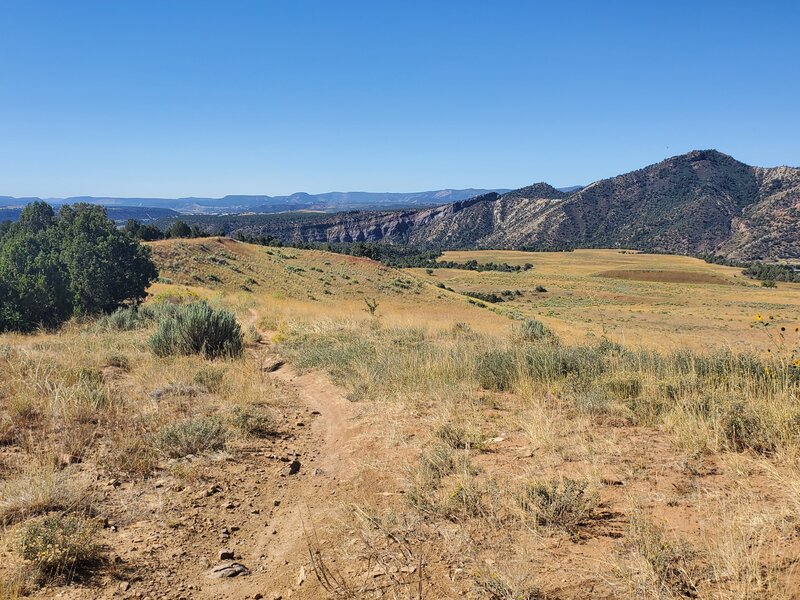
(120, 214)
(328, 202)
(702, 201)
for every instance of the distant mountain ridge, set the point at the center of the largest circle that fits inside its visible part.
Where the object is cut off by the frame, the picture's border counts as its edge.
(702, 201)
(119, 214)
(329, 201)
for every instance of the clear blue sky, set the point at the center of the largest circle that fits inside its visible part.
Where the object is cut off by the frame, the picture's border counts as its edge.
(177, 98)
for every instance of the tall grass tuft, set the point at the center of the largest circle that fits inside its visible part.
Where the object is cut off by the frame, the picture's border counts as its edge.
(193, 436)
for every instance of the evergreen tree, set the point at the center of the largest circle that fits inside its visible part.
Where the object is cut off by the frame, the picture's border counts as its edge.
(76, 263)
(106, 267)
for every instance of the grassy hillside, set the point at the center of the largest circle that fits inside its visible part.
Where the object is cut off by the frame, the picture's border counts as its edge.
(308, 282)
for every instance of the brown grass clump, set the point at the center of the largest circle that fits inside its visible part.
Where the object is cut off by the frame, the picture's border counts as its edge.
(37, 490)
(564, 504)
(193, 436)
(670, 563)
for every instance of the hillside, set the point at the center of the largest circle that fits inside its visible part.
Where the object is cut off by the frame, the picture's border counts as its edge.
(703, 201)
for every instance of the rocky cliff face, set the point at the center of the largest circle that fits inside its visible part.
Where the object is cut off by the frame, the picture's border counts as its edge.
(703, 201)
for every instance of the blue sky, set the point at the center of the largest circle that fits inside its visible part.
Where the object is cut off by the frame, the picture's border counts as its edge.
(178, 98)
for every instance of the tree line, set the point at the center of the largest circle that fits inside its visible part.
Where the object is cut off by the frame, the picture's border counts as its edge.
(757, 270)
(179, 229)
(400, 257)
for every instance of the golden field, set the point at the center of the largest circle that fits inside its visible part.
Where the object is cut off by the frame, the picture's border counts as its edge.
(659, 301)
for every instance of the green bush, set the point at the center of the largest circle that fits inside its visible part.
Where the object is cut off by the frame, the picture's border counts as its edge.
(531, 330)
(197, 328)
(193, 436)
(126, 318)
(60, 545)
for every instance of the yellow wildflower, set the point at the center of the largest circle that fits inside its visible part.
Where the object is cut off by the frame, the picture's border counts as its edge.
(759, 318)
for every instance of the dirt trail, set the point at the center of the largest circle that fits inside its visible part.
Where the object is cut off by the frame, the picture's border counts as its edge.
(300, 502)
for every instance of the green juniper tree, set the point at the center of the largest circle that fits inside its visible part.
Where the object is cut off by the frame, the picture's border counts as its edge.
(74, 263)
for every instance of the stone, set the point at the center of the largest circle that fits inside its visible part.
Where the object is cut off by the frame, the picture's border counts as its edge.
(226, 554)
(228, 568)
(272, 366)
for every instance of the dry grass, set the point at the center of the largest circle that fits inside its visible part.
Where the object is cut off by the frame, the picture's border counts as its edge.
(91, 404)
(487, 434)
(664, 302)
(556, 395)
(37, 490)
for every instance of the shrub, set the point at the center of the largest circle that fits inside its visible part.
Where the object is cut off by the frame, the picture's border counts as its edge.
(485, 296)
(496, 370)
(120, 361)
(561, 503)
(624, 388)
(531, 330)
(593, 402)
(60, 545)
(744, 429)
(541, 289)
(465, 501)
(197, 328)
(193, 436)
(252, 336)
(125, 319)
(546, 362)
